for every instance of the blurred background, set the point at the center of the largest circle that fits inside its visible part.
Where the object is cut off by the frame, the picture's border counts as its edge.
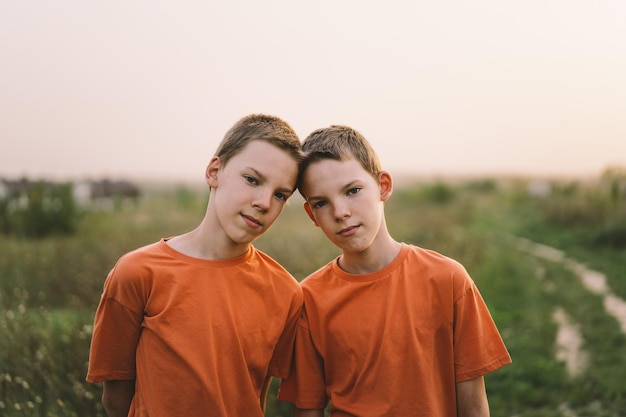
(502, 124)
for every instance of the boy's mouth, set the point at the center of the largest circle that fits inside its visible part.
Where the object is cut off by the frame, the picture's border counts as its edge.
(251, 221)
(348, 231)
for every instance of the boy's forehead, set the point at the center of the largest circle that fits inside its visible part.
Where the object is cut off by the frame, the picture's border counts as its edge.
(264, 157)
(347, 163)
(257, 143)
(259, 148)
(325, 173)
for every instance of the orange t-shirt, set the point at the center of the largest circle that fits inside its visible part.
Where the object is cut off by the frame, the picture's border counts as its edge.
(394, 342)
(199, 337)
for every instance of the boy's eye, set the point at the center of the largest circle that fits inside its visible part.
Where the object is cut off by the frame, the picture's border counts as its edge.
(250, 179)
(353, 191)
(281, 196)
(319, 204)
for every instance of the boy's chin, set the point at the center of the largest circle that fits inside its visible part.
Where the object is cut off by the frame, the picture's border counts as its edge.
(243, 240)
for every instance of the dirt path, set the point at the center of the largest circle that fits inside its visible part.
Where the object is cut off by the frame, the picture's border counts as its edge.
(569, 344)
(569, 341)
(593, 281)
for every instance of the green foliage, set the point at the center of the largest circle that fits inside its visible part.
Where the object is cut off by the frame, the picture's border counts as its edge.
(613, 235)
(600, 203)
(43, 209)
(40, 373)
(438, 193)
(485, 185)
(615, 180)
(50, 286)
(590, 223)
(521, 308)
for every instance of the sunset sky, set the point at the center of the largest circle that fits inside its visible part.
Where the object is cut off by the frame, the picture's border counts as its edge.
(147, 89)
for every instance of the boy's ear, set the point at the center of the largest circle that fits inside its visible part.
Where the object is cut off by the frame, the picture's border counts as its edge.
(385, 184)
(309, 212)
(212, 170)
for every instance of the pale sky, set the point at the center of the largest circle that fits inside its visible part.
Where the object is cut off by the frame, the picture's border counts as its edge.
(147, 89)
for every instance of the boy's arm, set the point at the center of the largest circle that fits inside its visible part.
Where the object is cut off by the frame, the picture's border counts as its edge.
(264, 390)
(471, 398)
(309, 413)
(117, 396)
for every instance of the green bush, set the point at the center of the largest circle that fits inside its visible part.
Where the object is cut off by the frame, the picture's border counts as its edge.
(43, 209)
(613, 235)
(437, 193)
(43, 357)
(598, 203)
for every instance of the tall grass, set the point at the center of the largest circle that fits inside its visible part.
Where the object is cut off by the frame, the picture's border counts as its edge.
(49, 289)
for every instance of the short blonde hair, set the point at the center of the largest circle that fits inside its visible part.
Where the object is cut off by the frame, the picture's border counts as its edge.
(339, 143)
(259, 127)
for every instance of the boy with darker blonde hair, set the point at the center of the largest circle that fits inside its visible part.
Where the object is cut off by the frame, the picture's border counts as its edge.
(388, 328)
(195, 325)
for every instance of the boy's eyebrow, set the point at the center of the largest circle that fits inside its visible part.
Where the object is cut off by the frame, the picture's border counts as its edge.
(348, 186)
(257, 173)
(314, 197)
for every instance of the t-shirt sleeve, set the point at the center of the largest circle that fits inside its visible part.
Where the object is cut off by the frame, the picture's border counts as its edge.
(117, 325)
(305, 385)
(479, 348)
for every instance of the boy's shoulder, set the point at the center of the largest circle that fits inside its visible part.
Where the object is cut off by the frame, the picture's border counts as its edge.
(141, 255)
(136, 262)
(160, 253)
(411, 257)
(157, 262)
(430, 257)
(435, 265)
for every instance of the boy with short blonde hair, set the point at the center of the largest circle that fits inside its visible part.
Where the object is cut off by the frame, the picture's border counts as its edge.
(388, 329)
(195, 325)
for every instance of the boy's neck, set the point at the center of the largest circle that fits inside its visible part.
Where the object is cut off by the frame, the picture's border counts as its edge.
(197, 245)
(371, 260)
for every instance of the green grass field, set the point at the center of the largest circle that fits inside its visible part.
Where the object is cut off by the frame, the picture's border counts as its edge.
(49, 288)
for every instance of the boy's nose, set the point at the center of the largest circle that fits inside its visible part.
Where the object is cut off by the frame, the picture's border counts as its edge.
(262, 201)
(341, 212)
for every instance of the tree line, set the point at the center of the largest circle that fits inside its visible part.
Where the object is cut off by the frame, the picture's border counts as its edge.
(39, 208)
